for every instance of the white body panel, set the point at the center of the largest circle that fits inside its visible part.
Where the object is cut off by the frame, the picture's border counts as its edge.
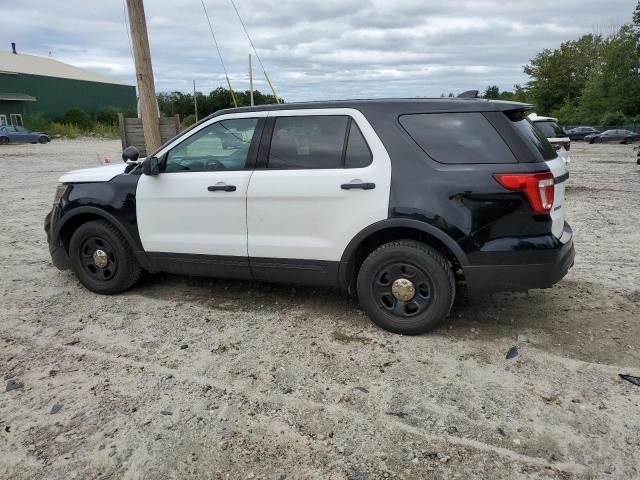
(176, 213)
(305, 214)
(97, 174)
(558, 211)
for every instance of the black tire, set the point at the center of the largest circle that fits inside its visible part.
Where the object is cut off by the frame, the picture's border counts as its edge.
(4, 140)
(121, 270)
(43, 140)
(433, 285)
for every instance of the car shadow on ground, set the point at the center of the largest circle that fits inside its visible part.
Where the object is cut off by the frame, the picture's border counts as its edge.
(545, 318)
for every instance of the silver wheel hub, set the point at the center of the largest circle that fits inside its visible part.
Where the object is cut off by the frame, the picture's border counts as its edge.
(403, 289)
(100, 258)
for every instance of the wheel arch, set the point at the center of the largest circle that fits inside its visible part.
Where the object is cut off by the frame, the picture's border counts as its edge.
(385, 231)
(81, 215)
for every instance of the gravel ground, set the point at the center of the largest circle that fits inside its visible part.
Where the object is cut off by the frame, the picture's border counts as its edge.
(200, 378)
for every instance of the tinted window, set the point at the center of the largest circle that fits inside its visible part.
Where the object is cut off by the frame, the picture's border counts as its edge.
(533, 136)
(358, 154)
(457, 138)
(308, 142)
(550, 129)
(223, 145)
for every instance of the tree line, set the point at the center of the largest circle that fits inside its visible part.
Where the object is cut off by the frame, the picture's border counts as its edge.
(178, 103)
(594, 79)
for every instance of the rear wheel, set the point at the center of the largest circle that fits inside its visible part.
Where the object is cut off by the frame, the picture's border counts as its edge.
(43, 140)
(102, 259)
(4, 140)
(406, 287)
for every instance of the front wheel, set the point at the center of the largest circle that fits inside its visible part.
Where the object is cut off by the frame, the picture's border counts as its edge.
(4, 141)
(42, 140)
(406, 287)
(102, 259)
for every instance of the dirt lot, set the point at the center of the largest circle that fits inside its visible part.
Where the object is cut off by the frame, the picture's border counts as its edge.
(196, 378)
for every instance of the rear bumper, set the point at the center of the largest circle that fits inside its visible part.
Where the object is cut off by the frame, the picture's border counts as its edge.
(518, 268)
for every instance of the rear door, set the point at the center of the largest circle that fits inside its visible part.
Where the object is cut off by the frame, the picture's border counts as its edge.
(322, 177)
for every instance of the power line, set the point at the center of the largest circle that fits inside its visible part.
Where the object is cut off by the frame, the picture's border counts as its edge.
(246, 32)
(213, 35)
(126, 26)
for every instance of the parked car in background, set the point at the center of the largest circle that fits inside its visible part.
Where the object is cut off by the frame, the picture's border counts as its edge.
(618, 135)
(556, 135)
(579, 133)
(11, 134)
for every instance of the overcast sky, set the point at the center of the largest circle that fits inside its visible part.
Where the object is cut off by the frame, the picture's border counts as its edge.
(314, 49)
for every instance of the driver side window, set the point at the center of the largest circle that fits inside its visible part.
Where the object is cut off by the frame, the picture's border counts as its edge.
(223, 145)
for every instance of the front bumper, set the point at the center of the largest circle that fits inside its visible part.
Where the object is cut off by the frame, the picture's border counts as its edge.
(520, 268)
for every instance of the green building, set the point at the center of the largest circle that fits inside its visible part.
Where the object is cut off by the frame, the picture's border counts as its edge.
(30, 84)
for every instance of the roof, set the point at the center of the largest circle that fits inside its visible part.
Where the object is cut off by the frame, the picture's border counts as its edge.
(48, 67)
(411, 104)
(20, 97)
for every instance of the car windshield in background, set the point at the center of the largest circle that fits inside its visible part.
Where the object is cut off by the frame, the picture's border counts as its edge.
(534, 137)
(551, 129)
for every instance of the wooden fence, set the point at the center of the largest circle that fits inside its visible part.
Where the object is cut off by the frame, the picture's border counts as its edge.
(132, 134)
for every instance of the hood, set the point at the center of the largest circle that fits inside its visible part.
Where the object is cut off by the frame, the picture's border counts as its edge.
(97, 174)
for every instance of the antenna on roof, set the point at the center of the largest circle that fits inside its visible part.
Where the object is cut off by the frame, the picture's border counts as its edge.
(13, 47)
(469, 94)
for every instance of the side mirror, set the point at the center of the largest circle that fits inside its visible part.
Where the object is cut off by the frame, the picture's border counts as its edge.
(151, 166)
(130, 154)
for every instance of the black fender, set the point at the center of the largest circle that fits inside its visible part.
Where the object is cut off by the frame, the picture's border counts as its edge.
(346, 267)
(133, 243)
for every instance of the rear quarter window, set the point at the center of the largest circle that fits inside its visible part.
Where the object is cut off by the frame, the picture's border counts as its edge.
(457, 138)
(532, 136)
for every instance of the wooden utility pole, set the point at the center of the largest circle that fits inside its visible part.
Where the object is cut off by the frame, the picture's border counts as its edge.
(250, 81)
(195, 100)
(144, 75)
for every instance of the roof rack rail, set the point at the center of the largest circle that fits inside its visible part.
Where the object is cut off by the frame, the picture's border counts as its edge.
(469, 94)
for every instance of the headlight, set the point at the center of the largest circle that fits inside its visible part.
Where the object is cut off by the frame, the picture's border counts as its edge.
(60, 190)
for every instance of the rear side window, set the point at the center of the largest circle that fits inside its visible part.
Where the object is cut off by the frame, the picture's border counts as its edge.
(457, 138)
(317, 142)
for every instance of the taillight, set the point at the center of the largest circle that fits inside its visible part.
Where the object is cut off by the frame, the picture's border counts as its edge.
(537, 187)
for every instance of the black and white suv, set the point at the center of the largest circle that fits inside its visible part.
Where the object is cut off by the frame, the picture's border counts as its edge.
(399, 201)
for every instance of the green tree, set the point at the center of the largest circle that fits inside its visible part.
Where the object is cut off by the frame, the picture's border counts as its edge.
(491, 92)
(560, 75)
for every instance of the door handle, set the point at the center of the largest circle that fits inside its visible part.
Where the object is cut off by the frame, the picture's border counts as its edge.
(222, 187)
(360, 185)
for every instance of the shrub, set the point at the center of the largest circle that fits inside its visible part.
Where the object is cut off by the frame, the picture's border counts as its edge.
(107, 115)
(35, 121)
(613, 119)
(64, 130)
(188, 121)
(77, 117)
(105, 131)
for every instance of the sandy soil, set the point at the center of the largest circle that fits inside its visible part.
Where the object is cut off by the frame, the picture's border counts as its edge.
(197, 378)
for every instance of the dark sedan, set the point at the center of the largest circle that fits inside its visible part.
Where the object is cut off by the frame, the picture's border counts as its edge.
(579, 133)
(620, 136)
(11, 134)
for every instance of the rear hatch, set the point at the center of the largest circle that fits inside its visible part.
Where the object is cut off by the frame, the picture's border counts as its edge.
(543, 151)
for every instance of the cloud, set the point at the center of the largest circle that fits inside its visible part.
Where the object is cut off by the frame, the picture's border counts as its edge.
(315, 49)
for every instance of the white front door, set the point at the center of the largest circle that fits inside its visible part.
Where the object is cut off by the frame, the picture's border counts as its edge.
(197, 204)
(326, 177)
